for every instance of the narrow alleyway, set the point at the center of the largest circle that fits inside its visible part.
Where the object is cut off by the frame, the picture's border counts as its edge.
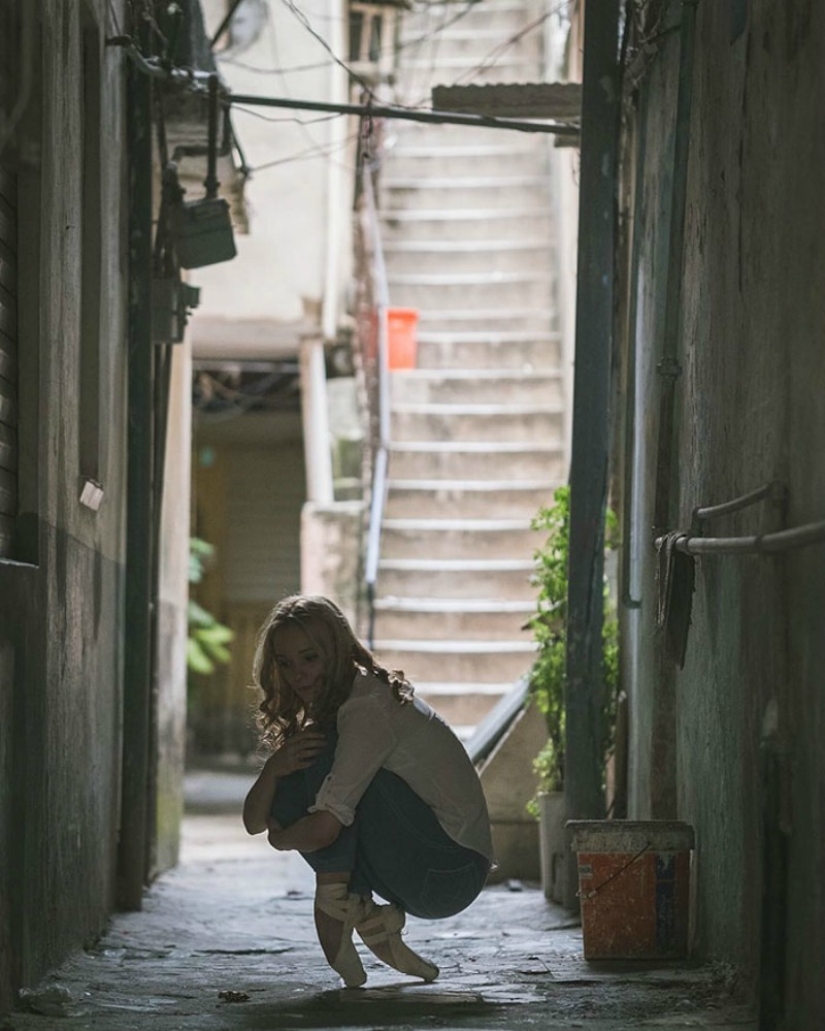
(235, 917)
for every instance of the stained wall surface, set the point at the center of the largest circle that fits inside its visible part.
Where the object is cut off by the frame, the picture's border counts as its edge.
(733, 742)
(61, 590)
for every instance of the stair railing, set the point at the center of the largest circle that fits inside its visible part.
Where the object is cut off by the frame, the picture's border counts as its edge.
(376, 372)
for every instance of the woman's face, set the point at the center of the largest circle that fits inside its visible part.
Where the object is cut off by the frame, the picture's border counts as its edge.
(299, 662)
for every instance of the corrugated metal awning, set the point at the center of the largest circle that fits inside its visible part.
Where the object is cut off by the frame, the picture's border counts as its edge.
(559, 101)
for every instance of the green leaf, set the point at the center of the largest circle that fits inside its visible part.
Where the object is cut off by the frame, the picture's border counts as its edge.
(216, 634)
(196, 658)
(198, 616)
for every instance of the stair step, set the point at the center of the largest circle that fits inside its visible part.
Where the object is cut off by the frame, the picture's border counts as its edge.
(449, 647)
(457, 578)
(482, 161)
(479, 225)
(486, 487)
(523, 290)
(458, 538)
(435, 21)
(460, 660)
(452, 247)
(454, 499)
(442, 195)
(426, 618)
(434, 134)
(468, 280)
(460, 40)
(444, 351)
(434, 689)
(506, 69)
(462, 712)
(477, 386)
(462, 259)
(439, 460)
(470, 606)
(476, 422)
(506, 324)
(502, 148)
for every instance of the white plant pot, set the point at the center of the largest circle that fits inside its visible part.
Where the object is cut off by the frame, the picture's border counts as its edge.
(552, 851)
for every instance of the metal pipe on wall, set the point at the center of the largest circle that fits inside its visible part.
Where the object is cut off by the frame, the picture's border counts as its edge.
(669, 368)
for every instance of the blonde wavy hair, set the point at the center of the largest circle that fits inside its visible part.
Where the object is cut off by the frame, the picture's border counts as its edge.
(281, 713)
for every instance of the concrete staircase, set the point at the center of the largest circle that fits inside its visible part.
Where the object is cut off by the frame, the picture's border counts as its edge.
(477, 427)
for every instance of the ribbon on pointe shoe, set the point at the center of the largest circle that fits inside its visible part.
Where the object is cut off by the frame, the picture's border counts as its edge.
(334, 900)
(382, 925)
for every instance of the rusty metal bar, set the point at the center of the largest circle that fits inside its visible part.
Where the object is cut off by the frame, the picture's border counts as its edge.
(403, 114)
(774, 491)
(756, 544)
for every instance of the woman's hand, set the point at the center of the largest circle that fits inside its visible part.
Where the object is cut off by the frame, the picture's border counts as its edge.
(310, 833)
(274, 833)
(297, 752)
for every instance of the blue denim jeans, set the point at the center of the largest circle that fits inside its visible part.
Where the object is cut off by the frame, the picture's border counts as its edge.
(396, 847)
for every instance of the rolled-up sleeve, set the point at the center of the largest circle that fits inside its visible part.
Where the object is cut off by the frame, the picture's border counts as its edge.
(365, 738)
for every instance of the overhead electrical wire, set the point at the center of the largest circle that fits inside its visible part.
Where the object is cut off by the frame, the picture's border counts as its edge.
(488, 61)
(294, 120)
(302, 18)
(396, 111)
(226, 58)
(318, 151)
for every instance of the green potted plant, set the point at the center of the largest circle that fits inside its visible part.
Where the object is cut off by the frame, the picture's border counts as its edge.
(207, 644)
(548, 675)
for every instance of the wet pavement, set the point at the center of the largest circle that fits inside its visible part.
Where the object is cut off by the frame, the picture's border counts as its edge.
(226, 941)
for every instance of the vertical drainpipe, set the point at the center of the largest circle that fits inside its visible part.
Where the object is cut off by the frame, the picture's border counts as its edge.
(668, 367)
(663, 744)
(137, 674)
(590, 436)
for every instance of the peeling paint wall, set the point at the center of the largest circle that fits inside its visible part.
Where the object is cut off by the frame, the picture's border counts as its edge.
(743, 724)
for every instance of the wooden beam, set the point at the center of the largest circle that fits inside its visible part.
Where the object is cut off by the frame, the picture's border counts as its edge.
(591, 394)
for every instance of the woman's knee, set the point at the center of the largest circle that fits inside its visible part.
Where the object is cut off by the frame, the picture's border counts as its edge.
(297, 791)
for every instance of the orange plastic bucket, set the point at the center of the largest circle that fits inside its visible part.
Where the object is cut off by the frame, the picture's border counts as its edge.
(402, 351)
(634, 887)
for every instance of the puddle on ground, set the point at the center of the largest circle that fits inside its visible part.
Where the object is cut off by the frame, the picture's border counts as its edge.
(390, 1006)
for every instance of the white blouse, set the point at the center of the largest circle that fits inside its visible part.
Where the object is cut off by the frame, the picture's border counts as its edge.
(412, 741)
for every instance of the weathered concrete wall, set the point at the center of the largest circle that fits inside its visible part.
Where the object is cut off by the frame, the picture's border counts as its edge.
(172, 633)
(746, 716)
(331, 562)
(61, 607)
(509, 783)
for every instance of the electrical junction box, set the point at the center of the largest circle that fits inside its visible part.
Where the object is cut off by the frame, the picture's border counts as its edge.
(172, 301)
(205, 234)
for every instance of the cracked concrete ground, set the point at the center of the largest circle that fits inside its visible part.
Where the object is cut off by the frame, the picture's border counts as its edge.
(226, 941)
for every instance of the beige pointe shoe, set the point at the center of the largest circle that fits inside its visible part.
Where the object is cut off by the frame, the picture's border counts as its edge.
(334, 900)
(379, 928)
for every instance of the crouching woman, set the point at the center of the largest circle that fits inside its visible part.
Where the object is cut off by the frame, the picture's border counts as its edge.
(368, 784)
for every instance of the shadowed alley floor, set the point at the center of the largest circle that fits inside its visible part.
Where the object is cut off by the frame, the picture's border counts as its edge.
(226, 941)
